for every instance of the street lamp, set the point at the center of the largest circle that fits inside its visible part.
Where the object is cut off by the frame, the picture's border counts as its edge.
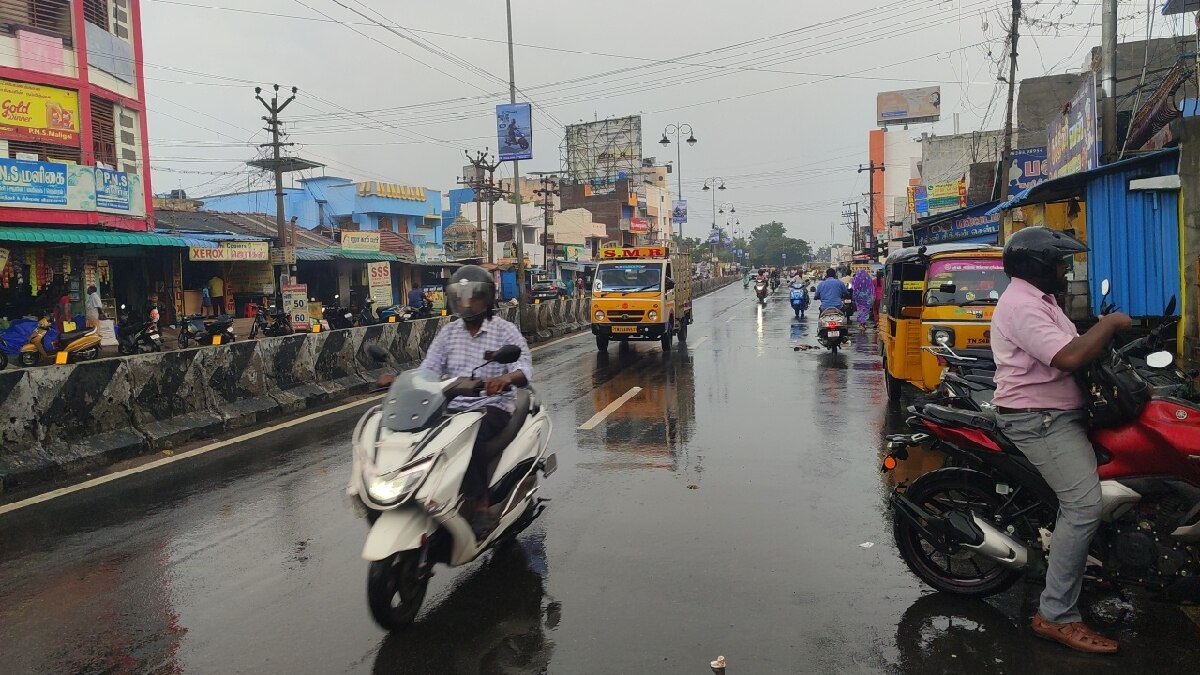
(712, 185)
(677, 129)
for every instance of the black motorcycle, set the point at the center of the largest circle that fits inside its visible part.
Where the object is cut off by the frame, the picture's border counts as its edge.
(279, 324)
(336, 316)
(201, 331)
(134, 337)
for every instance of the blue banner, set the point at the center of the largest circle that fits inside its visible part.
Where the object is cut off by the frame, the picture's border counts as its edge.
(32, 182)
(112, 189)
(514, 131)
(972, 225)
(1028, 168)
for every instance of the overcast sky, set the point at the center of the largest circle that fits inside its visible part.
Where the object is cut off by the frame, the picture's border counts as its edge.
(781, 94)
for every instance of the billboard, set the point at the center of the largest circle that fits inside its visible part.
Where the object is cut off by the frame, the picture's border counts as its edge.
(908, 106)
(32, 182)
(679, 212)
(639, 225)
(514, 131)
(1027, 168)
(603, 152)
(942, 197)
(33, 112)
(1072, 141)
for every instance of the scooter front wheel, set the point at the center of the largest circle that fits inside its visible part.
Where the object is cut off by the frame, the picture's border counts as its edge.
(395, 589)
(28, 359)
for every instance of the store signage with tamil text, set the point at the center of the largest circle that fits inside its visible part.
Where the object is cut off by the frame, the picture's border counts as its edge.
(360, 241)
(1072, 140)
(1028, 168)
(379, 282)
(295, 303)
(32, 112)
(391, 191)
(33, 182)
(639, 225)
(112, 189)
(231, 251)
(955, 229)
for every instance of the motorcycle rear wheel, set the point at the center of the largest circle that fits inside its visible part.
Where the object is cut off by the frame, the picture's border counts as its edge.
(961, 572)
(395, 589)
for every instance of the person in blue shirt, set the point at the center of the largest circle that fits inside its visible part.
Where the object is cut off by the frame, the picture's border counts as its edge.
(832, 291)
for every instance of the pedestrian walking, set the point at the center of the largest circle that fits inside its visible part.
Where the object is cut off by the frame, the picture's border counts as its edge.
(93, 308)
(864, 297)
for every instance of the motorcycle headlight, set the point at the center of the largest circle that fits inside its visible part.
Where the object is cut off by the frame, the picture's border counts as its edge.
(599, 315)
(652, 315)
(941, 337)
(397, 486)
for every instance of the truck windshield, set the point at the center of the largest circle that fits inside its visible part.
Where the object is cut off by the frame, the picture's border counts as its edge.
(629, 277)
(963, 282)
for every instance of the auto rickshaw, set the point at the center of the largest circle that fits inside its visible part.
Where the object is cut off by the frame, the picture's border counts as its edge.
(940, 295)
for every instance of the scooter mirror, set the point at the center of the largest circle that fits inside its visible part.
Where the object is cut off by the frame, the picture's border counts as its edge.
(507, 354)
(378, 353)
(122, 306)
(1160, 359)
(1105, 287)
(1170, 309)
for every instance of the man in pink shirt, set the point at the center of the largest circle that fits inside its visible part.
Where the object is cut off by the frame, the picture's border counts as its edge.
(1041, 410)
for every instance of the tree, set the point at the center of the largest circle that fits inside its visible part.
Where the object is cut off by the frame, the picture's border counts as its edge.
(770, 245)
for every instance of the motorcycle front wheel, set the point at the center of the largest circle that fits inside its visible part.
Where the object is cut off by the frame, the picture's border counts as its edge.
(960, 571)
(395, 589)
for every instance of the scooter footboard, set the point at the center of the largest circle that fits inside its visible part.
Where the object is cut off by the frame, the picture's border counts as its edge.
(397, 530)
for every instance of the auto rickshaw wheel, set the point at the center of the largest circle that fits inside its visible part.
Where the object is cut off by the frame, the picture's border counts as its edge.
(892, 384)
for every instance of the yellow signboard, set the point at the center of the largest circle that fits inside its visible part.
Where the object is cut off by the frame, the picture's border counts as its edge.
(33, 112)
(613, 253)
(391, 190)
(232, 251)
(360, 241)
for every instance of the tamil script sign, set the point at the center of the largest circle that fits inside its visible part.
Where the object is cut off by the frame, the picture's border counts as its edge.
(379, 282)
(33, 112)
(948, 196)
(908, 106)
(1028, 168)
(972, 225)
(360, 241)
(232, 251)
(295, 303)
(32, 182)
(1072, 139)
(514, 131)
(112, 189)
(679, 211)
(639, 225)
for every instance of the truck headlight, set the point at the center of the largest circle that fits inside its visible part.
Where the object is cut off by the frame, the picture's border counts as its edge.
(397, 486)
(942, 337)
(599, 315)
(652, 315)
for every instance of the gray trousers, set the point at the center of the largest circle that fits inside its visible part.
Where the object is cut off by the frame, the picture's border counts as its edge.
(1057, 444)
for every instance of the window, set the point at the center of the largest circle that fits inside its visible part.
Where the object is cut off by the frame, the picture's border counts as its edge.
(51, 16)
(104, 132)
(128, 140)
(46, 152)
(95, 12)
(385, 224)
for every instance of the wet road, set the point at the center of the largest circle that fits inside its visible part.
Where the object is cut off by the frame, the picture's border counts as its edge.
(725, 509)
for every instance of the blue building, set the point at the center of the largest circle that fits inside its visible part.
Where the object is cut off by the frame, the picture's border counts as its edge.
(332, 202)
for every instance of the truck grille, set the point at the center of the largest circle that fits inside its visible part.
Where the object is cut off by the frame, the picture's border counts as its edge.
(622, 315)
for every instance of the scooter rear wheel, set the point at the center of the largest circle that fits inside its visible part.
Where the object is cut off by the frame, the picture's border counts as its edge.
(87, 354)
(28, 359)
(395, 589)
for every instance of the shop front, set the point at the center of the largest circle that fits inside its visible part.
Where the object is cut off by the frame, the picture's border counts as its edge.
(235, 272)
(972, 225)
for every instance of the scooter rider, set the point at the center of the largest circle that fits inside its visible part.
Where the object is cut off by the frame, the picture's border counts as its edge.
(832, 291)
(457, 350)
(1041, 410)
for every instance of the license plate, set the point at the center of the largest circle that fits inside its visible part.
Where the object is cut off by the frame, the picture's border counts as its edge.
(156, 337)
(624, 329)
(216, 339)
(349, 316)
(834, 333)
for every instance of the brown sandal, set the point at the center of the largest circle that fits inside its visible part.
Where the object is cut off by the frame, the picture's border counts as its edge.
(1075, 635)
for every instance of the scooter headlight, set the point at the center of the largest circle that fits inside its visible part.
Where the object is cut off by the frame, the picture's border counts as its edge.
(397, 486)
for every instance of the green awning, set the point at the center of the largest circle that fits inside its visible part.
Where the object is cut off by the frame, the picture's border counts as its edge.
(43, 235)
(372, 256)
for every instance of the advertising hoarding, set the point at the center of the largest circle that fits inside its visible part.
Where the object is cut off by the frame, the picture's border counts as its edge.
(946, 196)
(600, 153)
(514, 131)
(1072, 141)
(679, 212)
(379, 283)
(639, 225)
(908, 106)
(33, 182)
(1028, 168)
(34, 112)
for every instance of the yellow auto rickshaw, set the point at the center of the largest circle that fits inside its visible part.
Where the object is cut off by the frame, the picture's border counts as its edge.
(940, 295)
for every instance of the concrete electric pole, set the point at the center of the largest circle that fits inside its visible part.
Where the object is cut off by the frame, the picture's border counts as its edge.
(273, 124)
(1001, 181)
(519, 231)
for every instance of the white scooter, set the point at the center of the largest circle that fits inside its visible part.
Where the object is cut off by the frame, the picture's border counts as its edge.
(410, 456)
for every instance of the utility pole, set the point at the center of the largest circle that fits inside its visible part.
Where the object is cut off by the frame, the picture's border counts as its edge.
(548, 190)
(1001, 180)
(519, 233)
(872, 168)
(273, 126)
(1108, 78)
(482, 164)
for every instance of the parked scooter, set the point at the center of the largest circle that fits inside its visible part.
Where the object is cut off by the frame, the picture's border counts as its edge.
(760, 289)
(80, 345)
(799, 299)
(386, 313)
(410, 456)
(196, 329)
(831, 329)
(362, 313)
(280, 323)
(338, 317)
(135, 337)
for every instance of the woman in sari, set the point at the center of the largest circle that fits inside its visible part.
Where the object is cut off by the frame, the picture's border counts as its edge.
(863, 291)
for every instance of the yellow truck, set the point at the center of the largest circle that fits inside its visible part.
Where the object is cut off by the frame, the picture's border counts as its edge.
(641, 293)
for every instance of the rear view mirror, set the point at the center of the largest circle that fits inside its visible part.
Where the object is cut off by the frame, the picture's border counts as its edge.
(378, 353)
(507, 354)
(1160, 359)
(1105, 287)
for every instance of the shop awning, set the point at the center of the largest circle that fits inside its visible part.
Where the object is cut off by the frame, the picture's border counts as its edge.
(327, 254)
(40, 235)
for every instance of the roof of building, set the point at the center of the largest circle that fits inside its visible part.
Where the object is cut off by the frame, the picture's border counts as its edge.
(257, 225)
(1074, 185)
(46, 235)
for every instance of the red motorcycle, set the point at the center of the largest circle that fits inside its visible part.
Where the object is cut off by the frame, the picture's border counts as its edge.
(977, 526)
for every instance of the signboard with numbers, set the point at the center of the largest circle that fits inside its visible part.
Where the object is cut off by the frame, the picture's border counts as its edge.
(295, 302)
(379, 282)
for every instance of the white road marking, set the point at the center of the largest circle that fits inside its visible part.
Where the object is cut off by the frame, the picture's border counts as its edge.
(158, 463)
(610, 409)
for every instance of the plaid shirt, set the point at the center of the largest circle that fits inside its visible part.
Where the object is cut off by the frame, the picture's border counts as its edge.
(455, 353)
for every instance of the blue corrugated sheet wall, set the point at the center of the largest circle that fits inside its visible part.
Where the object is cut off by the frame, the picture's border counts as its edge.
(1134, 241)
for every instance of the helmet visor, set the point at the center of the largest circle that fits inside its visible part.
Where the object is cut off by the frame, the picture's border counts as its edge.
(467, 299)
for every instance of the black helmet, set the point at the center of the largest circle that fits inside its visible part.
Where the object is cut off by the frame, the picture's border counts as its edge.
(1033, 252)
(470, 282)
